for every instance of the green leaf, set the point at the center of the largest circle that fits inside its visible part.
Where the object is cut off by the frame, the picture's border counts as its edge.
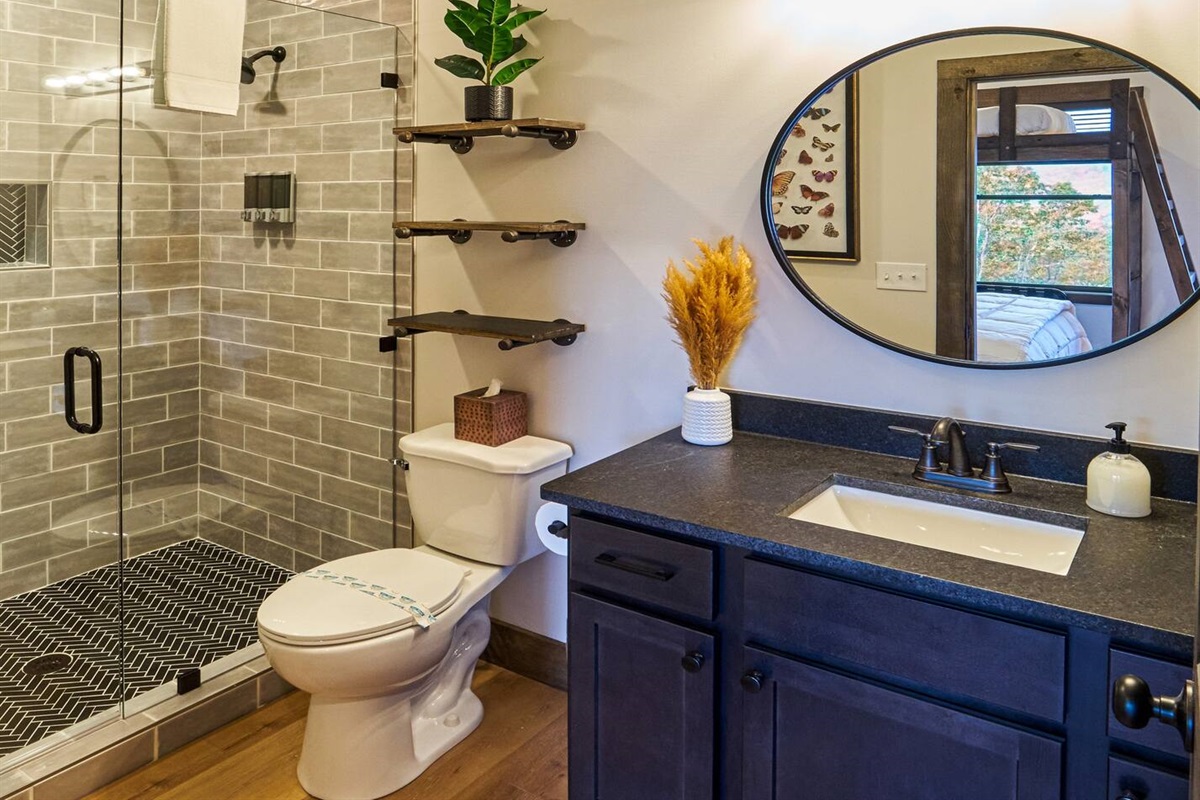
(518, 45)
(494, 44)
(509, 73)
(519, 19)
(464, 6)
(495, 11)
(462, 67)
(464, 24)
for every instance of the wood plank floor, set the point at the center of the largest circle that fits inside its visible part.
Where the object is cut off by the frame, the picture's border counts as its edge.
(519, 752)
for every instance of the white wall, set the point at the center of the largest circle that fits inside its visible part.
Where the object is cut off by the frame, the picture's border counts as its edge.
(682, 99)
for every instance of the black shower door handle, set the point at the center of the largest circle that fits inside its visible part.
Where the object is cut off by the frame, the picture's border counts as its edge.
(69, 390)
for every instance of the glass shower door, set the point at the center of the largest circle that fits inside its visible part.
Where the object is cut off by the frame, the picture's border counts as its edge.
(60, 521)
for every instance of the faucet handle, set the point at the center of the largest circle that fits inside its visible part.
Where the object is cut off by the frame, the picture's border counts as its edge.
(927, 462)
(928, 437)
(992, 471)
(994, 448)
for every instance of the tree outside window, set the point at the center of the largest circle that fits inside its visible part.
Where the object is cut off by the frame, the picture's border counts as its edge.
(1044, 224)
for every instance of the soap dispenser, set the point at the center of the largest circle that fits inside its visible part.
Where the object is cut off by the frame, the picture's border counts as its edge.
(1117, 482)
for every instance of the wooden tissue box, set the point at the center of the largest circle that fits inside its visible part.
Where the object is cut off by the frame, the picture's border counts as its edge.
(489, 420)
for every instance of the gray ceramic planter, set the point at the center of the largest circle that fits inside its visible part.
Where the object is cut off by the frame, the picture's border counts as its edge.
(488, 102)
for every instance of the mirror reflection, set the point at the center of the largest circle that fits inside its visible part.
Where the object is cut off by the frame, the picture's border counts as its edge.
(993, 199)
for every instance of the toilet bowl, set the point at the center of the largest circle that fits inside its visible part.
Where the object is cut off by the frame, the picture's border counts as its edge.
(386, 642)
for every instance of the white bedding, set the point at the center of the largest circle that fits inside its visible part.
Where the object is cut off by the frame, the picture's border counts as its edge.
(1031, 120)
(1013, 327)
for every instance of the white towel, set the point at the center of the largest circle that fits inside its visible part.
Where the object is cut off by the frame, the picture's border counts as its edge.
(202, 54)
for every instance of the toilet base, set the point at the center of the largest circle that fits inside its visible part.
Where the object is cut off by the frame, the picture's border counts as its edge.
(374, 759)
(364, 748)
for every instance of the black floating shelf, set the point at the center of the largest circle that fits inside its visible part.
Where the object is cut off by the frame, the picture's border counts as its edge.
(562, 134)
(560, 233)
(511, 332)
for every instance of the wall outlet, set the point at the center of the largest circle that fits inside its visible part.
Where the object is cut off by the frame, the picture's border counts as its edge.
(901, 277)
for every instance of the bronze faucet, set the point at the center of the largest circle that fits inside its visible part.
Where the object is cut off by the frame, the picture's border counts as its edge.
(957, 471)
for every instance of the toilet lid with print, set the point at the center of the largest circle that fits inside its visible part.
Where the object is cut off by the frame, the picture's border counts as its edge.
(361, 596)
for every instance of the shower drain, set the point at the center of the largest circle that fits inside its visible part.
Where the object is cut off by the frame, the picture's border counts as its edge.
(44, 665)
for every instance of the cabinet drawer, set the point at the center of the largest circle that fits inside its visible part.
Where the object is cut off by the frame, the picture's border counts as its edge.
(640, 566)
(1165, 679)
(1127, 779)
(950, 651)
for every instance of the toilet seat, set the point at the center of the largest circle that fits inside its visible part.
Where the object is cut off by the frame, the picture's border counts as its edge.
(361, 597)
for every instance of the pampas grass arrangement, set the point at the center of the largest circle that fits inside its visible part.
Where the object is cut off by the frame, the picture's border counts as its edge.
(709, 306)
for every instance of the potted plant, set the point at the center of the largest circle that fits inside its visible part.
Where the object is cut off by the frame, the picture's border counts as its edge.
(710, 306)
(487, 29)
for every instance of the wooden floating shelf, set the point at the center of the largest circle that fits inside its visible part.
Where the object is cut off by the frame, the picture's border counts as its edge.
(560, 233)
(562, 134)
(511, 332)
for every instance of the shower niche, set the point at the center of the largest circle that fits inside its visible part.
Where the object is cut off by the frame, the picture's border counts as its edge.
(24, 225)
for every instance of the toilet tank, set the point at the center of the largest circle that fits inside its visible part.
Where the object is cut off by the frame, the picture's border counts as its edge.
(476, 501)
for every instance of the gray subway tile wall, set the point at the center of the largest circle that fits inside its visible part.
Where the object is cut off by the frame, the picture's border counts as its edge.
(296, 400)
(258, 411)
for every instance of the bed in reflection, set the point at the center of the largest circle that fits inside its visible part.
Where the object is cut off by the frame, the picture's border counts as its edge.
(1029, 120)
(1024, 323)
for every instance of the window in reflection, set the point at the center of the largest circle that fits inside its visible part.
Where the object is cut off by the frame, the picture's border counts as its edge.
(1044, 224)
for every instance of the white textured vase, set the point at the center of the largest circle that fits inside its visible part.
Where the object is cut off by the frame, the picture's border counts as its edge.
(707, 418)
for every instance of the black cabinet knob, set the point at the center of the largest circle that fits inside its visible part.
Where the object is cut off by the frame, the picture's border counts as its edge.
(753, 681)
(693, 661)
(1134, 706)
(1129, 794)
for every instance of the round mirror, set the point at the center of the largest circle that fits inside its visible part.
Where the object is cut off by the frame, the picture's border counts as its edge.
(993, 198)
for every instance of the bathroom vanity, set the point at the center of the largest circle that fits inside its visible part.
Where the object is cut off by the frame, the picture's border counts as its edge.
(720, 649)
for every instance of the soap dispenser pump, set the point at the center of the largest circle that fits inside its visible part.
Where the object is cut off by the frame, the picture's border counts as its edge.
(1117, 482)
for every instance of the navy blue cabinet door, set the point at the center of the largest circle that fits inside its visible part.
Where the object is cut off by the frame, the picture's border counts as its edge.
(811, 733)
(641, 706)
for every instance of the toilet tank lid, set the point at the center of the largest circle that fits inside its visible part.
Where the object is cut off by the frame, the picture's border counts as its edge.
(518, 457)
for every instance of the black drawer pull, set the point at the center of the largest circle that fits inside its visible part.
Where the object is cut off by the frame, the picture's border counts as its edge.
(69, 390)
(637, 566)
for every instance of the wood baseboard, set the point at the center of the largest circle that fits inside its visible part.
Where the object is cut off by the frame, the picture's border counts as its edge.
(527, 653)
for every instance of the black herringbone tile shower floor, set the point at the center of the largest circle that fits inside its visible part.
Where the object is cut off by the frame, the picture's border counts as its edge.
(185, 606)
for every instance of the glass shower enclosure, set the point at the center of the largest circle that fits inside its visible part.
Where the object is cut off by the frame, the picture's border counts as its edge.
(193, 404)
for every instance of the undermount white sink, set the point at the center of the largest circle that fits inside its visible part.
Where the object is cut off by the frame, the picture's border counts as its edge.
(996, 537)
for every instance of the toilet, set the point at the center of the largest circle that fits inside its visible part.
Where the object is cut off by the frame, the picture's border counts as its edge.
(386, 642)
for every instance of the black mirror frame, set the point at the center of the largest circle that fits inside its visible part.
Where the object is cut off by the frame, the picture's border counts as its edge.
(802, 109)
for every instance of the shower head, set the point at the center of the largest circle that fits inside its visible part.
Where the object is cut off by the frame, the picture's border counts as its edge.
(277, 55)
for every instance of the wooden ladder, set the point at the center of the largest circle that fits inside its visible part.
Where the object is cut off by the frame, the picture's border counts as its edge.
(1158, 190)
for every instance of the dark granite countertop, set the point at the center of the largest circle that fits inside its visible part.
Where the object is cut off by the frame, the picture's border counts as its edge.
(1132, 579)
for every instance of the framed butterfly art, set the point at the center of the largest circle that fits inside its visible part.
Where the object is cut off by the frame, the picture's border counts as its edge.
(818, 175)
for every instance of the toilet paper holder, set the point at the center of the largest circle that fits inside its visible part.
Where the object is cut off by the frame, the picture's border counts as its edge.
(559, 528)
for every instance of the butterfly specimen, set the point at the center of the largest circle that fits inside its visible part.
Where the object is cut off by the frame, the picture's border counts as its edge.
(810, 194)
(816, 113)
(802, 209)
(822, 146)
(780, 183)
(831, 128)
(791, 232)
(831, 231)
(798, 130)
(826, 177)
(778, 160)
(777, 206)
(805, 158)
(827, 211)
(829, 157)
